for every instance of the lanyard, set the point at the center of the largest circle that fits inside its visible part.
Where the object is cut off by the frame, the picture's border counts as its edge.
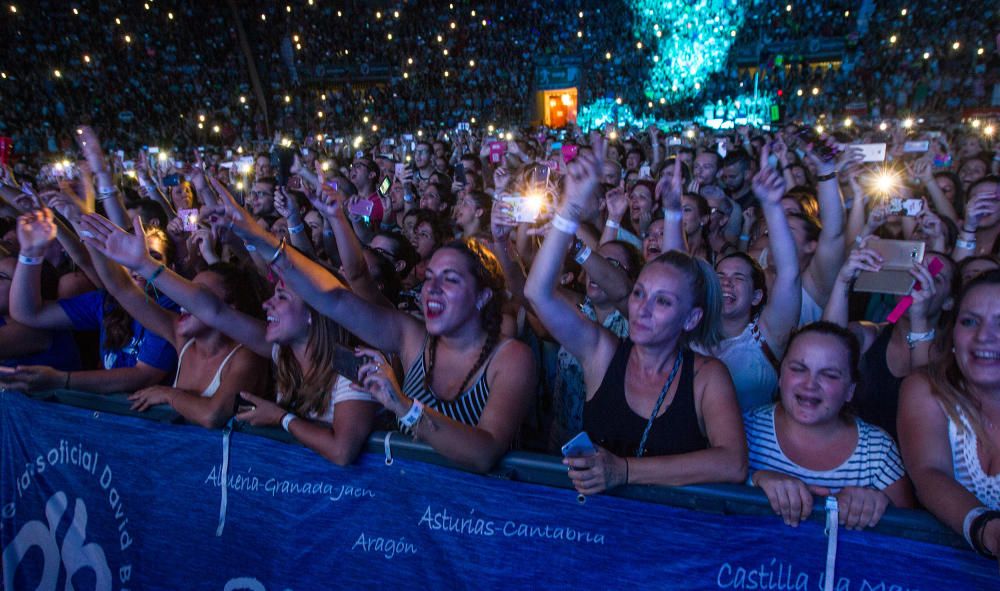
(659, 402)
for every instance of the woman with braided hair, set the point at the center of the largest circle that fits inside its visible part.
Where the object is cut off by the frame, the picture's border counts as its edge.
(467, 389)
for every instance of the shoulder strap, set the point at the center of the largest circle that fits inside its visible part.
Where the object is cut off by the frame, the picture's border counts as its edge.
(758, 338)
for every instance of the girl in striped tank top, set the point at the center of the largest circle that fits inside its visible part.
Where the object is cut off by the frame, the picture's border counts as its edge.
(467, 391)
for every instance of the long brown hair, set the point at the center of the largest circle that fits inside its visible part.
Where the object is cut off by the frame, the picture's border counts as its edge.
(948, 384)
(308, 391)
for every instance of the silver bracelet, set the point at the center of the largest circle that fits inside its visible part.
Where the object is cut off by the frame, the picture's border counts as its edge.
(287, 420)
(563, 225)
(965, 244)
(967, 523)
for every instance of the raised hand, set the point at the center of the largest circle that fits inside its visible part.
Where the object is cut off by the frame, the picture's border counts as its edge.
(284, 204)
(617, 203)
(861, 259)
(128, 250)
(35, 230)
(501, 221)
(582, 180)
(923, 291)
(768, 184)
(670, 188)
(86, 138)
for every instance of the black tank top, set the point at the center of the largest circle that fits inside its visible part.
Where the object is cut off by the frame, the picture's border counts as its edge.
(613, 425)
(877, 397)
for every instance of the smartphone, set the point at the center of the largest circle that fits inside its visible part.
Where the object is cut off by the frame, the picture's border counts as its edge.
(720, 148)
(569, 152)
(346, 363)
(243, 403)
(463, 126)
(497, 150)
(171, 180)
(911, 207)
(644, 172)
(894, 277)
(460, 173)
(190, 219)
(912, 147)
(400, 169)
(871, 152)
(808, 135)
(383, 188)
(295, 183)
(674, 141)
(282, 158)
(523, 209)
(364, 207)
(391, 141)
(154, 150)
(579, 446)
(305, 151)
(407, 137)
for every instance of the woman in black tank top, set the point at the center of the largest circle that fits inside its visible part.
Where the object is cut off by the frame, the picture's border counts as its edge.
(658, 413)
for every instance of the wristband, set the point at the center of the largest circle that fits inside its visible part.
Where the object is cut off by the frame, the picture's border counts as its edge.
(826, 177)
(583, 254)
(26, 260)
(296, 229)
(107, 190)
(744, 238)
(156, 273)
(287, 420)
(407, 197)
(976, 527)
(672, 215)
(967, 524)
(913, 338)
(413, 415)
(250, 247)
(965, 244)
(612, 224)
(277, 253)
(563, 225)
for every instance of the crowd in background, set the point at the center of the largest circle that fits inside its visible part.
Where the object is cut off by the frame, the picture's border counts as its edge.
(771, 306)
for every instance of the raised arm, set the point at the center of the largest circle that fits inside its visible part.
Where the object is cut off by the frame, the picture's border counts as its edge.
(139, 306)
(780, 315)
(668, 193)
(386, 329)
(579, 335)
(131, 251)
(35, 230)
(107, 192)
(830, 253)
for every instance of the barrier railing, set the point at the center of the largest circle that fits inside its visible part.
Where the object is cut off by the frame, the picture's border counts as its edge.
(536, 468)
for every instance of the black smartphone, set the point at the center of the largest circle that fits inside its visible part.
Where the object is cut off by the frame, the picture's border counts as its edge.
(346, 363)
(383, 187)
(281, 159)
(808, 135)
(460, 173)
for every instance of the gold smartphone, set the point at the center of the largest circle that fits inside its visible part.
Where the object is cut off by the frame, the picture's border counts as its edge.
(898, 257)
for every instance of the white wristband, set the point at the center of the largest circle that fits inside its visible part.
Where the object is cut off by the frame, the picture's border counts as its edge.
(672, 215)
(612, 224)
(413, 415)
(582, 256)
(287, 420)
(563, 225)
(26, 260)
(967, 523)
(250, 247)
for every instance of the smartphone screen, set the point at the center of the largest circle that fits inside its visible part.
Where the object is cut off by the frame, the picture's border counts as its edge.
(579, 446)
(383, 187)
(872, 152)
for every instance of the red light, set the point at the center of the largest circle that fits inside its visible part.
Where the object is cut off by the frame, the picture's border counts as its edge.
(781, 92)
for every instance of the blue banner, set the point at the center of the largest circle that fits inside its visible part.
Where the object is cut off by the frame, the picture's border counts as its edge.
(97, 501)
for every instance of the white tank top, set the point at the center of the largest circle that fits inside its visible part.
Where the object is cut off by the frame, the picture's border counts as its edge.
(209, 391)
(968, 469)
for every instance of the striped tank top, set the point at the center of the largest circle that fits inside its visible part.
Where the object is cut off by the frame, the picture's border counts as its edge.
(469, 405)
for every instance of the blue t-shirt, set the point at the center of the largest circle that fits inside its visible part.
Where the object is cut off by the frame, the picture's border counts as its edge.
(87, 313)
(62, 353)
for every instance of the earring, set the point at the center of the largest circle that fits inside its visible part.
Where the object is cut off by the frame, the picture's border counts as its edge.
(479, 306)
(309, 320)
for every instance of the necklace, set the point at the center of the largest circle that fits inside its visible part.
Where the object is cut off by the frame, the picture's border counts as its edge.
(659, 402)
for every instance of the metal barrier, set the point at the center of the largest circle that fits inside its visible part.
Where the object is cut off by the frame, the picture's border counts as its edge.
(548, 470)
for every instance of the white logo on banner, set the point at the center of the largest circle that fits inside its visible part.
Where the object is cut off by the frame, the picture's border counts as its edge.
(245, 584)
(74, 554)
